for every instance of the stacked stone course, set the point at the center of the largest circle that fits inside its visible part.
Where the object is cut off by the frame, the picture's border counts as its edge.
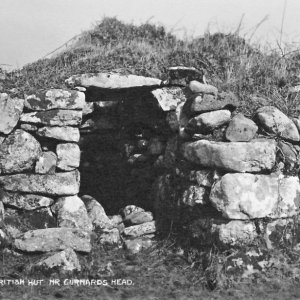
(178, 148)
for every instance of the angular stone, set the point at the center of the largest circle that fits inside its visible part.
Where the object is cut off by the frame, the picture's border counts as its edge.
(198, 87)
(241, 129)
(117, 222)
(206, 122)
(59, 184)
(54, 239)
(194, 195)
(248, 196)
(96, 213)
(141, 229)
(56, 98)
(63, 262)
(25, 201)
(110, 237)
(68, 156)
(18, 153)
(111, 81)
(138, 218)
(68, 134)
(29, 127)
(56, 117)
(137, 245)
(46, 163)
(254, 156)
(183, 75)
(10, 111)
(129, 210)
(206, 102)
(276, 122)
(88, 108)
(169, 98)
(71, 213)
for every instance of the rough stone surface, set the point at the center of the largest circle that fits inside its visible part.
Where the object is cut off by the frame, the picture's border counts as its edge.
(281, 233)
(29, 127)
(241, 129)
(276, 122)
(68, 155)
(1, 211)
(54, 239)
(290, 154)
(198, 87)
(169, 98)
(46, 163)
(206, 102)
(111, 81)
(56, 98)
(18, 153)
(59, 184)
(96, 213)
(54, 117)
(129, 210)
(10, 111)
(194, 195)
(65, 261)
(138, 218)
(25, 201)
(68, 134)
(249, 196)
(253, 156)
(137, 245)
(71, 212)
(208, 121)
(140, 230)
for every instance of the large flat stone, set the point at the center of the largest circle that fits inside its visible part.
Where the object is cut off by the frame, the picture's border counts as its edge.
(56, 98)
(18, 153)
(249, 196)
(59, 184)
(56, 117)
(111, 81)
(25, 201)
(54, 239)
(206, 122)
(254, 156)
(276, 122)
(68, 134)
(10, 111)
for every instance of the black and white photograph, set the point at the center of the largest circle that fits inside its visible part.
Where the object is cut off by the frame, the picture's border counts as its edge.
(149, 150)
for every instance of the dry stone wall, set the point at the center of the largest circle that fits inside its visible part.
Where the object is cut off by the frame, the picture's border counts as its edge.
(177, 151)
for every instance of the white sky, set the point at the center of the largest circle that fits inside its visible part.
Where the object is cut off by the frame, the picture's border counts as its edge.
(29, 29)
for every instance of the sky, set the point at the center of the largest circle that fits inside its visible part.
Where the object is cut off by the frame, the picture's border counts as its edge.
(30, 29)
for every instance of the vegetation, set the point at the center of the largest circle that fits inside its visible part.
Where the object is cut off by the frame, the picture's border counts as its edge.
(229, 60)
(231, 63)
